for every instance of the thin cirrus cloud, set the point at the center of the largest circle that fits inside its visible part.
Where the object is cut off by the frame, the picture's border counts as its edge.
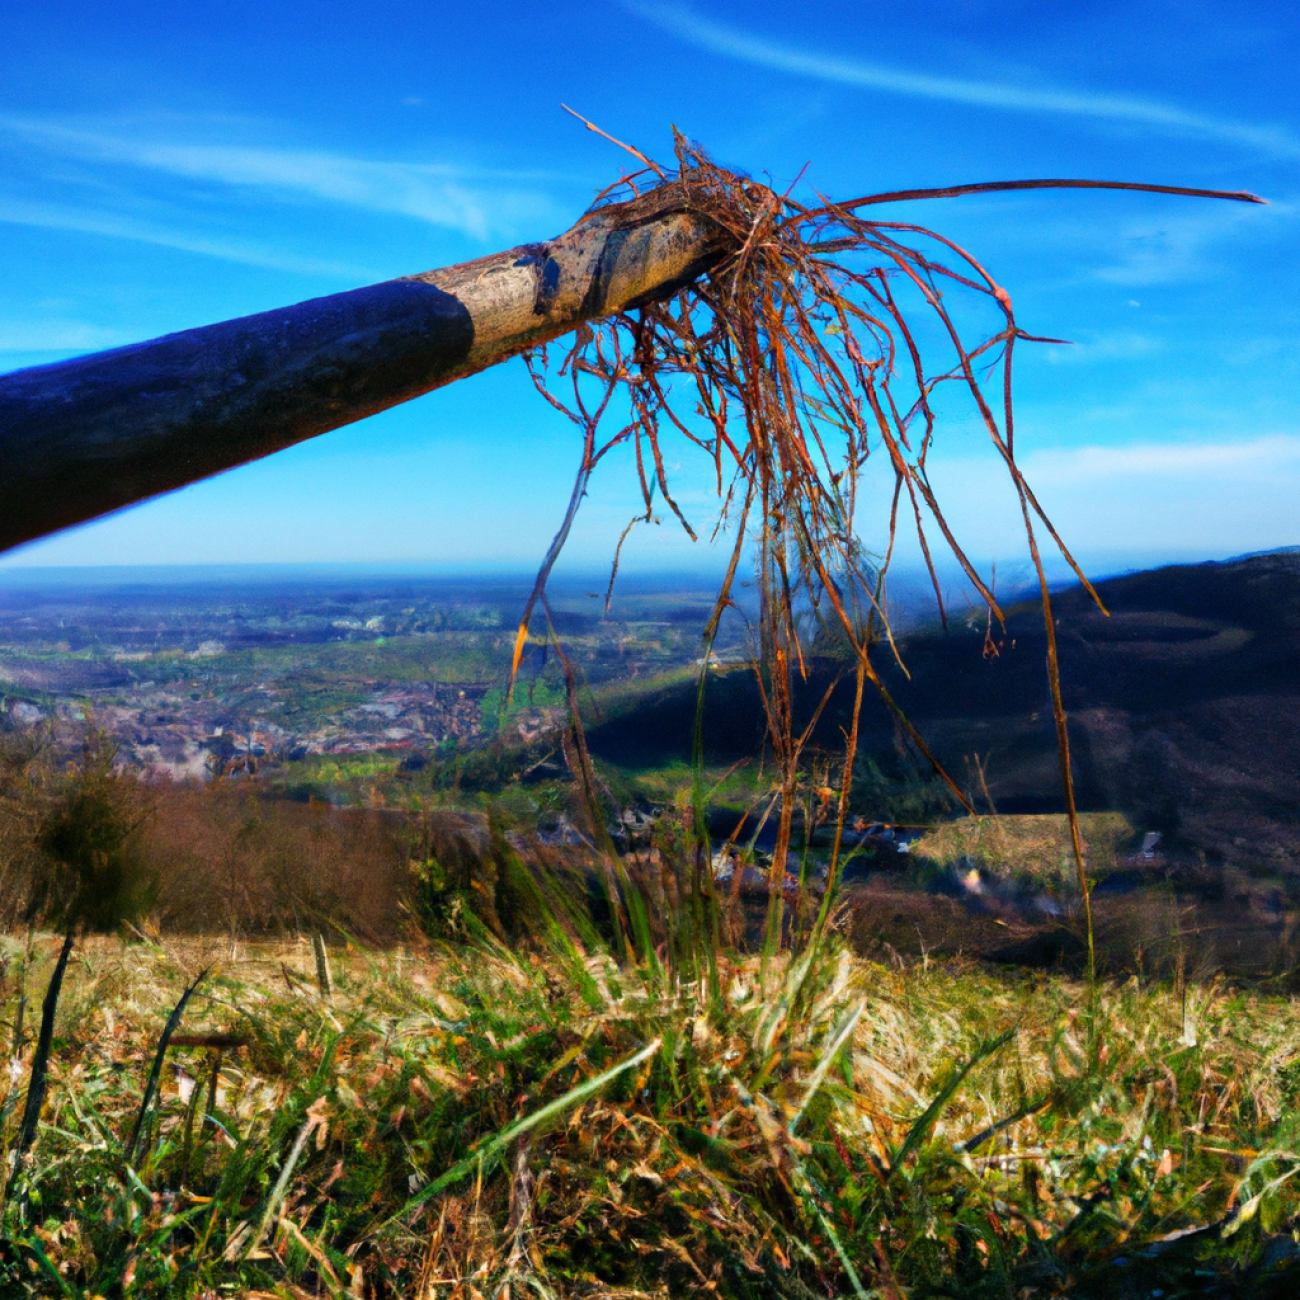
(1120, 346)
(721, 38)
(1263, 456)
(57, 336)
(476, 202)
(1144, 502)
(55, 216)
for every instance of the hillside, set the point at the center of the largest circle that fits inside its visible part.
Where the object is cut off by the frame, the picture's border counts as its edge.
(1184, 708)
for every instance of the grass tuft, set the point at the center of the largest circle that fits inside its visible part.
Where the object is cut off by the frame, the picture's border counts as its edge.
(462, 1120)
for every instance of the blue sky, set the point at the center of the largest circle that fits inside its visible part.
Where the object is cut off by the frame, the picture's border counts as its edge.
(168, 165)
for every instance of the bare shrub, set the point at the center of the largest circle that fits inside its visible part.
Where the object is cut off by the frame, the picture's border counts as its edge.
(92, 869)
(24, 794)
(229, 859)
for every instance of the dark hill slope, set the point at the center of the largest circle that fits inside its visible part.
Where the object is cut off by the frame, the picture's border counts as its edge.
(1184, 707)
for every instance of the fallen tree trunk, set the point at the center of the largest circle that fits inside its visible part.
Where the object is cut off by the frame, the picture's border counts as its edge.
(81, 438)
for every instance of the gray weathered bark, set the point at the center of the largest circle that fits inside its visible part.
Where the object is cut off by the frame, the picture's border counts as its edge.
(84, 437)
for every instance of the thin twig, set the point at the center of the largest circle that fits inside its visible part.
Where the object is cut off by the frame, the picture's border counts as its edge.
(993, 187)
(636, 153)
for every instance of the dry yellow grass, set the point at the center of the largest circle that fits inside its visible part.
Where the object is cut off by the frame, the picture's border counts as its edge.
(848, 1121)
(1026, 847)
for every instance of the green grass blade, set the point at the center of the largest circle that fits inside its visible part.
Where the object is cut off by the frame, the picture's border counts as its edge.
(155, 1072)
(40, 1062)
(499, 1141)
(828, 1228)
(838, 1039)
(921, 1129)
(68, 1288)
(310, 1124)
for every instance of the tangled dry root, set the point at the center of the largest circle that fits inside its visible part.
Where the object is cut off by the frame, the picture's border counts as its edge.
(813, 351)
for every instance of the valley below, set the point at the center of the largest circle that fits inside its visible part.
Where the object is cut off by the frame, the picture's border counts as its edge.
(365, 695)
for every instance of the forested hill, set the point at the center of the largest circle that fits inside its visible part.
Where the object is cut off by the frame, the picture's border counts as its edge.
(1184, 708)
(1186, 702)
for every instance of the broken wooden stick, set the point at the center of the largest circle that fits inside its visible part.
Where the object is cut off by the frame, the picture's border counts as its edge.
(84, 437)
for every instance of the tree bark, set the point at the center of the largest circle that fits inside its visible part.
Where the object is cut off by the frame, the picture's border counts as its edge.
(81, 438)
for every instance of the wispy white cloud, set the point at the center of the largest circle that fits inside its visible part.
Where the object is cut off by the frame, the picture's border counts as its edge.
(57, 336)
(473, 201)
(53, 216)
(1160, 461)
(721, 38)
(1160, 244)
(1203, 499)
(1180, 244)
(1126, 346)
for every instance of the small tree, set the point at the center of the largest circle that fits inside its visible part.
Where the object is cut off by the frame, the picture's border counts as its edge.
(93, 872)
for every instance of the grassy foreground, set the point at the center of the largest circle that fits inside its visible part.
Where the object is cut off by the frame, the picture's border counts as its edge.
(480, 1123)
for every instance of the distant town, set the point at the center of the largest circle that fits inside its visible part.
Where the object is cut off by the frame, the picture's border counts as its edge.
(198, 679)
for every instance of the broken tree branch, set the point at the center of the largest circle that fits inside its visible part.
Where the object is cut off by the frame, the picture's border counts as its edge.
(82, 438)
